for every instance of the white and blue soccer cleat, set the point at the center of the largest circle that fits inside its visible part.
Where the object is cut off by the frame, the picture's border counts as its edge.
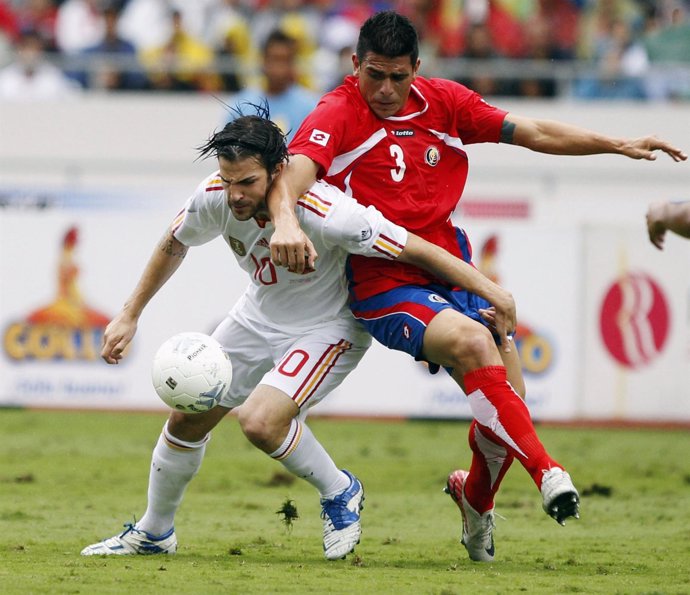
(133, 541)
(341, 526)
(477, 529)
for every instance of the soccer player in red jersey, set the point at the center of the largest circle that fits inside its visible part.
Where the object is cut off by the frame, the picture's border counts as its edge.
(396, 140)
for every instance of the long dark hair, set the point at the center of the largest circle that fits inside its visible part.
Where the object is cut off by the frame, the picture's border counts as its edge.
(248, 136)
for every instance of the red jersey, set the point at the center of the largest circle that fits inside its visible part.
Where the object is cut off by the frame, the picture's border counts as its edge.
(411, 166)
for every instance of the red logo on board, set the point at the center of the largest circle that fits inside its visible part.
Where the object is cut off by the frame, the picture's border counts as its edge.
(634, 320)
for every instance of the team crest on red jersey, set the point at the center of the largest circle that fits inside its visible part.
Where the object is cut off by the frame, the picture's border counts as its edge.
(432, 156)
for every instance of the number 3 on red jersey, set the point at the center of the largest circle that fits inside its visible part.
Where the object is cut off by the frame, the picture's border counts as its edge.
(398, 172)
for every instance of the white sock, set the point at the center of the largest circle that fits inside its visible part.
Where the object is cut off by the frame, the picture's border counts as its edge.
(173, 465)
(302, 454)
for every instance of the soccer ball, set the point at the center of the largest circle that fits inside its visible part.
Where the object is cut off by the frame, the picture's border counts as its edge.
(191, 372)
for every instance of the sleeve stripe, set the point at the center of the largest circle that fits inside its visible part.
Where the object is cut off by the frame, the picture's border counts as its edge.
(177, 221)
(317, 197)
(317, 203)
(214, 185)
(388, 247)
(392, 241)
(308, 207)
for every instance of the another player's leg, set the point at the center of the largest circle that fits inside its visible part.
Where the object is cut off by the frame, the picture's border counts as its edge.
(474, 493)
(270, 420)
(176, 459)
(460, 343)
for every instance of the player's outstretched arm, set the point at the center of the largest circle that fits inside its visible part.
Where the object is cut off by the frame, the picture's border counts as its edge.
(557, 138)
(290, 246)
(164, 261)
(663, 216)
(444, 265)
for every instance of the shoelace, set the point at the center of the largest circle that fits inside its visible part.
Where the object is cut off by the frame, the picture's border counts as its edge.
(130, 528)
(336, 509)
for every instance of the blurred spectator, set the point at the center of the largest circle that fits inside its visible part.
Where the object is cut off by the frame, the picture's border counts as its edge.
(182, 63)
(39, 16)
(563, 21)
(228, 34)
(442, 25)
(540, 47)
(113, 64)
(299, 20)
(333, 60)
(288, 102)
(31, 76)
(79, 25)
(596, 22)
(621, 64)
(479, 46)
(146, 23)
(9, 22)
(669, 48)
(9, 30)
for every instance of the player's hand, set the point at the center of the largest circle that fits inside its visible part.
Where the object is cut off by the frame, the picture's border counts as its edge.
(118, 334)
(291, 248)
(647, 146)
(655, 226)
(502, 316)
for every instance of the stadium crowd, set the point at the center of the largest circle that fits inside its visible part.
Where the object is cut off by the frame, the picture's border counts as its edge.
(630, 49)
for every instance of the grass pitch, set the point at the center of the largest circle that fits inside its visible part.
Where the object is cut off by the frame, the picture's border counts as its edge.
(69, 479)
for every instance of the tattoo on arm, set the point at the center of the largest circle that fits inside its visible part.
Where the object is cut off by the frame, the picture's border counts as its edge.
(507, 132)
(169, 247)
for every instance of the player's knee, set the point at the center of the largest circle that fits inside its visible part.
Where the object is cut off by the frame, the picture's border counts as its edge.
(258, 425)
(474, 350)
(189, 427)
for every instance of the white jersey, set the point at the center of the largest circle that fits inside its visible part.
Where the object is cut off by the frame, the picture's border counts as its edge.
(336, 224)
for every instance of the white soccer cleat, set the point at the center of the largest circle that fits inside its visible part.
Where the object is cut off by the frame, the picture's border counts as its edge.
(133, 541)
(477, 529)
(341, 526)
(560, 498)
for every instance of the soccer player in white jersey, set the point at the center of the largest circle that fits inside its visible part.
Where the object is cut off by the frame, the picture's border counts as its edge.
(291, 337)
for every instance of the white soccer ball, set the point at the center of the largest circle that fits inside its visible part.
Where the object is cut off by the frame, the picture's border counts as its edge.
(191, 372)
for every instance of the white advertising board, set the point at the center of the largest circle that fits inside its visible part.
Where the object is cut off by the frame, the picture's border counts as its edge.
(604, 318)
(636, 356)
(64, 274)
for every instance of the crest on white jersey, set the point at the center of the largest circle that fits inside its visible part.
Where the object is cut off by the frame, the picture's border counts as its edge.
(319, 137)
(237, 246)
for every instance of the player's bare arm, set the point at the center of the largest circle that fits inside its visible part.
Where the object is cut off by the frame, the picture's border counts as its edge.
(664, 216)
(164, 261)
(290, 246)
(557, 138)
(445, 266)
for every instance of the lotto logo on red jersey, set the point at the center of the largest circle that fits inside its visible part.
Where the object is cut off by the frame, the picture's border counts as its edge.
(319, 137)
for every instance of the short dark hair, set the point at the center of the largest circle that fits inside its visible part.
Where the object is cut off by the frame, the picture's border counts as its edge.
(388, 34)
(278, 36)
(248, 136)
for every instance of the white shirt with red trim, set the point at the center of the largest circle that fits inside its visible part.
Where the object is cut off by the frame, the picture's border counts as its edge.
(336, 224)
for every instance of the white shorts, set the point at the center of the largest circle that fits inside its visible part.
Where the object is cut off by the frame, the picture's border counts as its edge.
(305, 366)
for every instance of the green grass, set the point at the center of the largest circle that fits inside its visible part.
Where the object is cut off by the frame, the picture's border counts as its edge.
(69, 479)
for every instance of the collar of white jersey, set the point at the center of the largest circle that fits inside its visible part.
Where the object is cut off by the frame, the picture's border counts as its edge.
(415, 114)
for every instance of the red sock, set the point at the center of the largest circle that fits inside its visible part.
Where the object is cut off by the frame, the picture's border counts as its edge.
(490, 462)
(504, 418)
